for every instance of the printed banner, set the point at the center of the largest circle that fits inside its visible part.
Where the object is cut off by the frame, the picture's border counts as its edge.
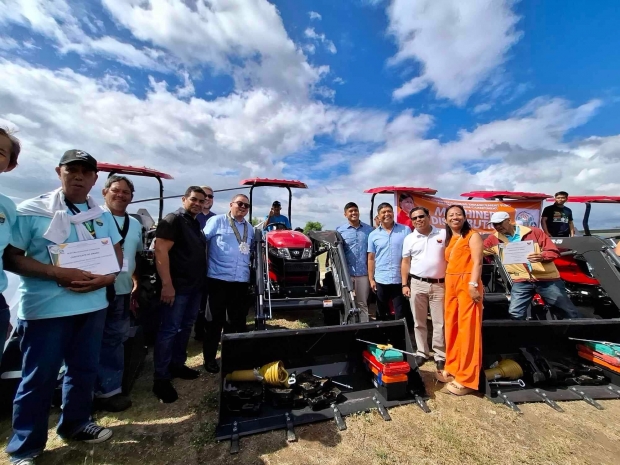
(524, 212)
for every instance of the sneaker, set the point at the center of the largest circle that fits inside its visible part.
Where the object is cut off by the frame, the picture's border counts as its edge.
(28, 461)
(183, 372)
(164, 391)
(212, 366)
(115, 403)
(93, 434)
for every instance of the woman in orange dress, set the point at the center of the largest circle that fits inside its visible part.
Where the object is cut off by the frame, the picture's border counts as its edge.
(463, 304)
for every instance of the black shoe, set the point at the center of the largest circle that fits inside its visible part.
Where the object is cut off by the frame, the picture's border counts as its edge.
(93, 434)
(212, 366)
(115, 403)
(164, 391)
(419, 360)
(183, 372)
(441, 364)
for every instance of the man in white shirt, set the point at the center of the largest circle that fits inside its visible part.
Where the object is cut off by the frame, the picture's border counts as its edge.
(423, 270)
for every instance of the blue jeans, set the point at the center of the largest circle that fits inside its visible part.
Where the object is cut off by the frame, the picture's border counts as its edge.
(553, 293)
(45, 344)
(5, 318)
(174, 332)
(112, 357)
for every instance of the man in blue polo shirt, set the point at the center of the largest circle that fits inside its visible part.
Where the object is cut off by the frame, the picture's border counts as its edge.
(229, 239)
(275, 216)
(62, 310)
(355, 236)
(385, 248)
(118, 193)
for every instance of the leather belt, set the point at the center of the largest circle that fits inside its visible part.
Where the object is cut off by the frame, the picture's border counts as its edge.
(427, 280)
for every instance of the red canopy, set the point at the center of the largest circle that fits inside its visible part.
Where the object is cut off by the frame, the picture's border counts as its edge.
(132, 170)
(392, 189)
(591, 199)
(496, 195)
(273, 183)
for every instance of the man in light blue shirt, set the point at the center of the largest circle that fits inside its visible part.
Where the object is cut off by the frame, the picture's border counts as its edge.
(275, 216)
(62, 310)
(229, 242)
(385, 247)
(355, 236)
(118, 193)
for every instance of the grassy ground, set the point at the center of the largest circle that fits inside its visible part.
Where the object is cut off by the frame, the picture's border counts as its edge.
(467, 430)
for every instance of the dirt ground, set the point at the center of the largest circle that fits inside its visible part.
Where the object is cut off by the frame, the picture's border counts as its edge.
(469, 430)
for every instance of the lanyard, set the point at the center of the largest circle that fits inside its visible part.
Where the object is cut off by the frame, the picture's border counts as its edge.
(125, 229)
(76, 211)
(234, 228)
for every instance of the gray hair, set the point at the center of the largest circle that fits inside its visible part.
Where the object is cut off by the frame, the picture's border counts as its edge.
(239, 195)
(115, 178)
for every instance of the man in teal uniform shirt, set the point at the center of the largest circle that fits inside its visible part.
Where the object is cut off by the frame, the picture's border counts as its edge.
(62, 310)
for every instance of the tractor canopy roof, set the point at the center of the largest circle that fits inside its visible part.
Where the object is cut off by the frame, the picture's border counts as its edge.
(132, 170)
(591, 199)
(392, 189)
(505, 195)
(256, 182)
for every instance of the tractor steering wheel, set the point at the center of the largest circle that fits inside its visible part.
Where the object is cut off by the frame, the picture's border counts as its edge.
(276, 226)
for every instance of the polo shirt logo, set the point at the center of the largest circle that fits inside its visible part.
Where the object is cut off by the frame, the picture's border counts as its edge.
(439, 241)
(2, 218)
(99, 222)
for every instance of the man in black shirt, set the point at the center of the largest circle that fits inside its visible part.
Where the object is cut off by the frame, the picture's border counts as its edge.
(180, 254)
(557, 220)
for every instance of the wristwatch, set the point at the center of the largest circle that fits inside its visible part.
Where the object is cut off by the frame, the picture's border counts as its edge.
(473, 284)
(405, 285)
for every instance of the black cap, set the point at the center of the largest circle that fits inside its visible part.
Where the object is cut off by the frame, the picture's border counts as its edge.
(276, 204)
(75, 156)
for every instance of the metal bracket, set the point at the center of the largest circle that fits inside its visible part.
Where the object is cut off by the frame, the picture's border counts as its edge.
(551, 403)
(587, 398)
(234, 439)
(338, 417)
(510, 404)
(382, 410)
(422, 404)
(290, 431)
(614, 389)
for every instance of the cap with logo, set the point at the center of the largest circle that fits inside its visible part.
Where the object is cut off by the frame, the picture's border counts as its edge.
(78, 156)
(498, 217)
(276, 204)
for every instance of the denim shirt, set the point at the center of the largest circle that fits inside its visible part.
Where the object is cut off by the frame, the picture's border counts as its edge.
(225, 260)
(356, 247)
(388, 249)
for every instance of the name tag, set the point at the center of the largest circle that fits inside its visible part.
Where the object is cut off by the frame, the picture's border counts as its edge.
(125, 265)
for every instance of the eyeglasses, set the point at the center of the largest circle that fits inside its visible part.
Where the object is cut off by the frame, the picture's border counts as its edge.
(209, 196)
(243, 205)
(419, 217)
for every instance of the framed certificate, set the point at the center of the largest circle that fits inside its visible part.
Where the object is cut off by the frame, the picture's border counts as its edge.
(96, 256)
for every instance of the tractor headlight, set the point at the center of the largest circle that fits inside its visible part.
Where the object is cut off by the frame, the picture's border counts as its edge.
(307, 253)
(280, 252)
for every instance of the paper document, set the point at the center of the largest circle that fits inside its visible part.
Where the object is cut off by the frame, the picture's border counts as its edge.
(517, 252)
(96, 256)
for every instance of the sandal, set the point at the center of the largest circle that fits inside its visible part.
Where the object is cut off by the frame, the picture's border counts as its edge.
(459, 390)
(443, 376)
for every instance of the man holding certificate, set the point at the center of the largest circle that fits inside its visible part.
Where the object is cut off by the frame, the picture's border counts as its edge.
(528, 254)
(62, 308)
(229, 240)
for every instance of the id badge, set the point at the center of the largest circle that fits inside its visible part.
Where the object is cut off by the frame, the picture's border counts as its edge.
(125, 268)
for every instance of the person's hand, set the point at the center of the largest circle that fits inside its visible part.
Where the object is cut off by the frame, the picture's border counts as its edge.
(535, 258)
(373, 285)
(271, 213)
(66, 276)
(474, 294)
(93, 282)
(407, 291)
(167, 294)
(133, 299)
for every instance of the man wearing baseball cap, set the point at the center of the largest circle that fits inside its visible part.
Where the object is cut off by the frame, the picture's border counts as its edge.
(275, 216)
(539, 275)
(62, 311)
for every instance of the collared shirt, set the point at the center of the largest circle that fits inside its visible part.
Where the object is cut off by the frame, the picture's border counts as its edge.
(516, 237)
(388, 249)
(7, 220)
(44, 298)
(203, 218)
(278, 219)
(226, 262)
(356, 247)
(131, 246)
(188, 259)
(427, 253)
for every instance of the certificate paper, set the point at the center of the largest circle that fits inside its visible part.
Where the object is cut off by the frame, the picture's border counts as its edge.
(96, 256)
(517, 252)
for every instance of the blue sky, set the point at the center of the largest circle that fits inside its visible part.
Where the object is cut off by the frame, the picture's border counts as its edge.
(483, 94)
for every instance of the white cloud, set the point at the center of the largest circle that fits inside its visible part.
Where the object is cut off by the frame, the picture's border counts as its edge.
(458, 44)
(8, 43)
(482, 107)
(310, 33)
(315, 15)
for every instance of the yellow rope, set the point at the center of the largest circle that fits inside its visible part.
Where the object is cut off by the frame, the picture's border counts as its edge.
(272, 373)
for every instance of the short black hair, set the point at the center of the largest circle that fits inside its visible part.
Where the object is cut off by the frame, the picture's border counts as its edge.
(564, 193)
(415, 209)
(15, 147)
(116, 178)
(384, 205)
(404, 196)
(197, 189)
(239, 195)
(350, 205)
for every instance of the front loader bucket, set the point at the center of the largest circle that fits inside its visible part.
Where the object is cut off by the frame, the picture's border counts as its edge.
(503, 339)
(329, 352)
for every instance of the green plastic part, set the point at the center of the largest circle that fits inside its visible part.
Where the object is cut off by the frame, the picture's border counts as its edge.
(385, 356)
(607, 349)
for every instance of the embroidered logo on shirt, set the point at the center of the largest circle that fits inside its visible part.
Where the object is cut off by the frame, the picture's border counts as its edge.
(99, 222)
(439, 241)
(2, 218)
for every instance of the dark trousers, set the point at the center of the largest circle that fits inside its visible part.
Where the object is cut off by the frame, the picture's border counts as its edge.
(201, 321)
(45, 344)
(225, 298)
(5, 318)
(389, 294)
(174, 332)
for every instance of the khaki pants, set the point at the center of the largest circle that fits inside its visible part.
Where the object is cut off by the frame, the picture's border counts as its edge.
(361, 286)
(423, 295)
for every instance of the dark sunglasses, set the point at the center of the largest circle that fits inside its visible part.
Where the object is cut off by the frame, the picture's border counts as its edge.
(209, 196)
(243, 205)
(419, 217)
